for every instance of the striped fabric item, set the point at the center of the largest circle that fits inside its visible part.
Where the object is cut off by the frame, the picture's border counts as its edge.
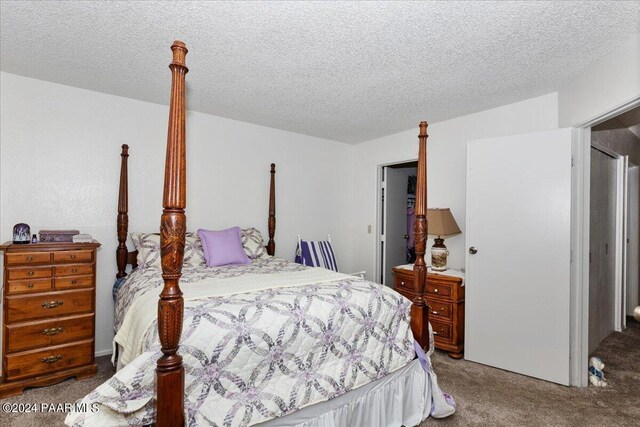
(316, 254)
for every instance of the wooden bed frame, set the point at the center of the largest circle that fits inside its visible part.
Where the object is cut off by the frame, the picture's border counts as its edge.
(169, 370)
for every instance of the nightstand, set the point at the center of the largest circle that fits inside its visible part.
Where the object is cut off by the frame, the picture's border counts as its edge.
(48, 321)
(445, 296)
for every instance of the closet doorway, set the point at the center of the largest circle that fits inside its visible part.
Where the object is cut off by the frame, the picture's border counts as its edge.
(396, 197)
(614, 236)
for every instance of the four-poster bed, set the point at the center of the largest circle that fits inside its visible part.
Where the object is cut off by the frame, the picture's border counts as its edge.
(394, 344)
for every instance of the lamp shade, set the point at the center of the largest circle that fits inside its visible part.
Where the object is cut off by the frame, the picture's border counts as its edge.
(441, 223)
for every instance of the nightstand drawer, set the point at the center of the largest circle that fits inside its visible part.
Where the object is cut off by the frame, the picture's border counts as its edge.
(51, 359)
(440, 309)
(73, 256)
(24, 286)
(403, 280)
(45, 333)
(28, 258)
(74, 269)
(73, 282)
(26, 307)
(441, 330)
(28, 273)
(441, 289)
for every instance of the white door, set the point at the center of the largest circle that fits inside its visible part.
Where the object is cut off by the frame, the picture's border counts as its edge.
(518, 281)
(602, 247)
(633, 242)
(395, 221)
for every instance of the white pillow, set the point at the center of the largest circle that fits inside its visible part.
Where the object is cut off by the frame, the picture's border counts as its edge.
(253, 243)
(148, 247)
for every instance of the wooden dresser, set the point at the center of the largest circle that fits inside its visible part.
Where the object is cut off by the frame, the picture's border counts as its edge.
(48, 316)
(445, 297)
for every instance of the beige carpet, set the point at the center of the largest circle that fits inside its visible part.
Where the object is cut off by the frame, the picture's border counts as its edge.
(484, 396)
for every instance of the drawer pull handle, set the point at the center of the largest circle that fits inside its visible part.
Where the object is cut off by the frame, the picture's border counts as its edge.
(435, 290)
(435, 312)
(402, 283)
(30, 285)
(29, 258)
(52, 304)
(74, 270)
(73, 282)
(73, 257)
(53, 331)
(51, 359)
(30, 273)
(435, 333)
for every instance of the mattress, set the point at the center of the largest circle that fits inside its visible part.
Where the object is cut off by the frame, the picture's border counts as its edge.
(259, 342)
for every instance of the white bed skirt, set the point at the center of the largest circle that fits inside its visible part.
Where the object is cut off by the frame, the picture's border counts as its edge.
(403, 397)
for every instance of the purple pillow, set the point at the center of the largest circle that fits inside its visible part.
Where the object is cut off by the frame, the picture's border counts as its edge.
(223, 247)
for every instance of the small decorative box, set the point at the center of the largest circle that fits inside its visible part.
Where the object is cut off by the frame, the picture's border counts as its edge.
(57, 235)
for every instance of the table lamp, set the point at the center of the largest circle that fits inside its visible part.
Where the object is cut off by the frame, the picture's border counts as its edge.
(441, 225)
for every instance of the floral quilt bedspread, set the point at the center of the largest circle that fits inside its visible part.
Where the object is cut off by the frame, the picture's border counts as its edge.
(255, 356)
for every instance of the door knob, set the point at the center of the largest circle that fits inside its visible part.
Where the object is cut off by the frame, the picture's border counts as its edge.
(473, 250)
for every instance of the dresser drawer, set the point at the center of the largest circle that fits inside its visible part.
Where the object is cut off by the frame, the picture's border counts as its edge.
(28, 258)
(73, 256)
(73, 282)
(440, 309)
(26, 307)
(441, 330)
(44, 333)
(74, 269)
(28, 273)
(51, 359)
(441, 289)
(24, 286)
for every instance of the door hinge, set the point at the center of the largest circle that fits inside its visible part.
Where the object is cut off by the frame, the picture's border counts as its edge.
(571, 161)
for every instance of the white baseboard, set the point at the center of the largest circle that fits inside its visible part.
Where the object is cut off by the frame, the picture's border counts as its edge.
(103, 352)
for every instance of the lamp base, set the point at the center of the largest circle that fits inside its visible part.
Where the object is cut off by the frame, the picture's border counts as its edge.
(439, 254)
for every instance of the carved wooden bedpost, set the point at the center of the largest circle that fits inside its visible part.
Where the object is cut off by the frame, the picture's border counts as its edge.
(123, 214)
(419, 308)
(271, 245)
(173, 225)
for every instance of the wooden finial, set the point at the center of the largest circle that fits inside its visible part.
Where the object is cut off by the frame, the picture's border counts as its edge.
(423, 128)
(179, 54)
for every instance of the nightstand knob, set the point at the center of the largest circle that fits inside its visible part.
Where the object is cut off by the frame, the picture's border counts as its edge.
(74, 270)
(30, 273)
(73, 282)
(73, 257)
(402, 283)
(435, 312)
(29, 258)
(30, 285)
(435, 290)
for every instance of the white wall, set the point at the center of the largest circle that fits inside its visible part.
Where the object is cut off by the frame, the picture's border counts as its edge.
(60, 161)
(609, 83)
(446, 167)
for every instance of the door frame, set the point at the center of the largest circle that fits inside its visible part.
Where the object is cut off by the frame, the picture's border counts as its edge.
(377, 262)
(580, 222)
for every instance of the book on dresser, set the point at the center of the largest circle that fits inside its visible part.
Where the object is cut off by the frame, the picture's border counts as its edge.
(48, 320)
(445, 297)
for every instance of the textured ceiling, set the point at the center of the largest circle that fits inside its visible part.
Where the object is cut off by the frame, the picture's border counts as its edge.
(344, 71)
